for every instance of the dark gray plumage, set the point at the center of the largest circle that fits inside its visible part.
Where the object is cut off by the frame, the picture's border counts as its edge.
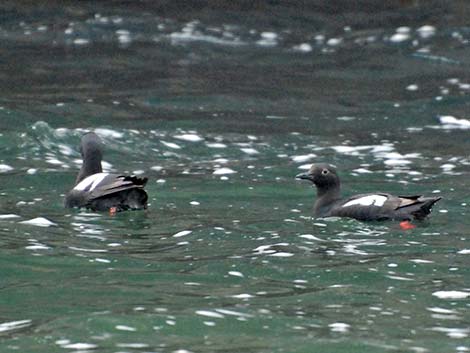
(364, 207)
(100, 191)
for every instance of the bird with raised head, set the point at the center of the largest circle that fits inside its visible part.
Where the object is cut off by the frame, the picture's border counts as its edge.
(100, 191)
(365, 207)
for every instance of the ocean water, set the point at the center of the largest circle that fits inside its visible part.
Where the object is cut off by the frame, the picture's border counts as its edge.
(220, 106)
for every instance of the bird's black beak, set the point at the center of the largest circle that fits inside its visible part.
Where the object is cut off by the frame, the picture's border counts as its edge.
(306, 176)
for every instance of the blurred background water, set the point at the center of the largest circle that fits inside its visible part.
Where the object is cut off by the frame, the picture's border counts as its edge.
(221, 104)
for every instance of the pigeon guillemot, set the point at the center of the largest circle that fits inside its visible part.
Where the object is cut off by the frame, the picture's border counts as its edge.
(100, 191)
(364, 207)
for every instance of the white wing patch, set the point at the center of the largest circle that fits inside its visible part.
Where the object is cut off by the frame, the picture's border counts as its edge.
(370, 200)
(90, 182)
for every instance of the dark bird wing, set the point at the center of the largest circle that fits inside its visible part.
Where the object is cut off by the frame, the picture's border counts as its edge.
(382, 206)
(114, 183)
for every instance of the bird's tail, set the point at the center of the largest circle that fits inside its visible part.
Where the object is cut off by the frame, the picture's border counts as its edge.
(423, 208)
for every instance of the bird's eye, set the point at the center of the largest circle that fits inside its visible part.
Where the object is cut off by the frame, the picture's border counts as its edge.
(325, 171)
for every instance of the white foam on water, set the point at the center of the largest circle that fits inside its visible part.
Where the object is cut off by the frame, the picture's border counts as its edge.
(80, 346)
(103, 132)
(421, 261)
(39, 222)
(37, 246)
(8, 216)
(208, 313)
(216, 145)
(400, 278)
(441, 310)
(453, 332)
(339, 327)
(399, 37)
(132, 345)
(303, 48)
(236, 274)
(346, 118)
(243, 296)
(303, 157)
(5, 168)
(451, 122)
(88, 250)
(189, 137)
(171, 145)
(233, 313)
(182, 233)
(125, 328)
(54, 161)
(403, 29)
(281, 254)
(223, 171)
(426, 31)
(81, 41)
(265, 249)
(362, 171)
(451, 294)
(332, 42)
(250, 151)
(397, 162)
(412, 87)
(14, 325)
(310, 237)
(447, 167)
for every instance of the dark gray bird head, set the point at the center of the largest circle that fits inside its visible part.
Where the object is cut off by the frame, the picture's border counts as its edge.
(91, 145)
(323, 176)
(91, 149)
